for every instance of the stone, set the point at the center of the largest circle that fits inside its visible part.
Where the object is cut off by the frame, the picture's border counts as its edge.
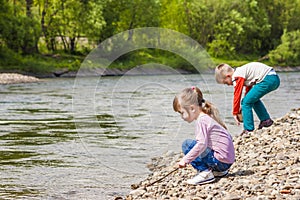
(266, 167)
(233, 197)
(137, 192)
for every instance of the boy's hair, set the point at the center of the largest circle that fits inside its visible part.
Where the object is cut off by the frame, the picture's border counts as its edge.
(193, 96)
(221, 71)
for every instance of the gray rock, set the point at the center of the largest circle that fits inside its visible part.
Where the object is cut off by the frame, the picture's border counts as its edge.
(267, 167)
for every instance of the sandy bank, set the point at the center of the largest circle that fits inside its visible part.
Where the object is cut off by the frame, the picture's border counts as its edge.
(13, 78)
(267, 167)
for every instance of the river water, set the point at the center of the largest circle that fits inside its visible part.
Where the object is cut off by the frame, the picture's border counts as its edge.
(91, 138)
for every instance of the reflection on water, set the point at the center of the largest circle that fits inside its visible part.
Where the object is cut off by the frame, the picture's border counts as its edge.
(94, 141)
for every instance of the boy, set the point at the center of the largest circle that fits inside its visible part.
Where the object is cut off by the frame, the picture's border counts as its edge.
(259, 79)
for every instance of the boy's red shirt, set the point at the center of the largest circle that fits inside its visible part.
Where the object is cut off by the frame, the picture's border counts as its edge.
(238, 90)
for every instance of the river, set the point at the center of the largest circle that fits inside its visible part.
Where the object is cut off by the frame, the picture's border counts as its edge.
(91, 138)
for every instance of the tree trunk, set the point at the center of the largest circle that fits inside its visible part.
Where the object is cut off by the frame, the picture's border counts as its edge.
(28, 7)
(49, 38)
(52, 44)
(72, 44)
(189, 20)
(43, 26)
(131, 25)
(15, 10)
(64, 43)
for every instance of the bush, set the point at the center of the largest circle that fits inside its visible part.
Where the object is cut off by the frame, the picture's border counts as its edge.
(221, 48)
(9, 58)
(288, 52)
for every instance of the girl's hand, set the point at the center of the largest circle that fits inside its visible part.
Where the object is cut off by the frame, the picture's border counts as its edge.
(181, 164)
(236, 119)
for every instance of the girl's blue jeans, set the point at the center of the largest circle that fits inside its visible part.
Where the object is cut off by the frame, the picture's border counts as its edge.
(206, 160)
(252, 100)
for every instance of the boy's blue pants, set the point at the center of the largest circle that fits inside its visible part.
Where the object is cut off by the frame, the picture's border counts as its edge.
(252, 100)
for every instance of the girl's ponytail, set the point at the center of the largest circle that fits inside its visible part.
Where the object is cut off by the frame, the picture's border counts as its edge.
(212, 111)
(193, 96)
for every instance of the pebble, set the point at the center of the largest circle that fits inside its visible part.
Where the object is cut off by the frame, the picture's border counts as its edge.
(267, 167)
(137, 192)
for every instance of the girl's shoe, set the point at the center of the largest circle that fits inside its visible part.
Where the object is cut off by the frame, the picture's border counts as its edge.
(202, 178)
(220, 174)
(265, 123)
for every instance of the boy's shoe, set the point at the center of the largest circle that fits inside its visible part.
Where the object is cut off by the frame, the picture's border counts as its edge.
(265, 123)
(202, 178)
(220, 174)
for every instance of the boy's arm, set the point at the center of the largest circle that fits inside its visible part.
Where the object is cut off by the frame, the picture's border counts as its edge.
(238, 89)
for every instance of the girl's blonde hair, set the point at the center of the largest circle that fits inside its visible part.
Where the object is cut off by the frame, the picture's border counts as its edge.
(221, 71)
(193, 96)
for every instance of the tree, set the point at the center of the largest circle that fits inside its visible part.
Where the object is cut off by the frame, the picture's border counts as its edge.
(274, 10)
(66, 21)
(288, 52)
(240, 30)
(20, 30)
(291, 15)
(125, 15)
(173, 15)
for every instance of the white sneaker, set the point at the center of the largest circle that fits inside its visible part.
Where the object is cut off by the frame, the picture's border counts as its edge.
(220, 174)
(202, 178)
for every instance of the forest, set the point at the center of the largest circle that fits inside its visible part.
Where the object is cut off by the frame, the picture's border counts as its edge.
(43, 35)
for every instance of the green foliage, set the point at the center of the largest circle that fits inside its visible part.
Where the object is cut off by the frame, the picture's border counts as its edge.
(145, 56)
(201, 15)
(11, 61)
(9, 58)
(291, 15)
(227, 29)
(19, 32)
(238, 61)
(172, 15)
(288, 52)
(36, 63)
(71, 64)
(123, 15)
(221, 48)
(241, 29)
(65, 22)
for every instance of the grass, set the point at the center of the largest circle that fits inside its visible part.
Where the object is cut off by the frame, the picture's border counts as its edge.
(42, 65)
(38, 64)
(241, 60)
(146, 56)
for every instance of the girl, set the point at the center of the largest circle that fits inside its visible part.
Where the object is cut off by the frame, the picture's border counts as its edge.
(212, 153)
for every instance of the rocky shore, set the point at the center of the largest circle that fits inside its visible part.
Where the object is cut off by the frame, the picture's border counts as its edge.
(267, 167)
(14, 78)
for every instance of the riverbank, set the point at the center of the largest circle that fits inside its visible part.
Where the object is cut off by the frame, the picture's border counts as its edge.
(141, 70)
(267, 167)
(14, 78)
